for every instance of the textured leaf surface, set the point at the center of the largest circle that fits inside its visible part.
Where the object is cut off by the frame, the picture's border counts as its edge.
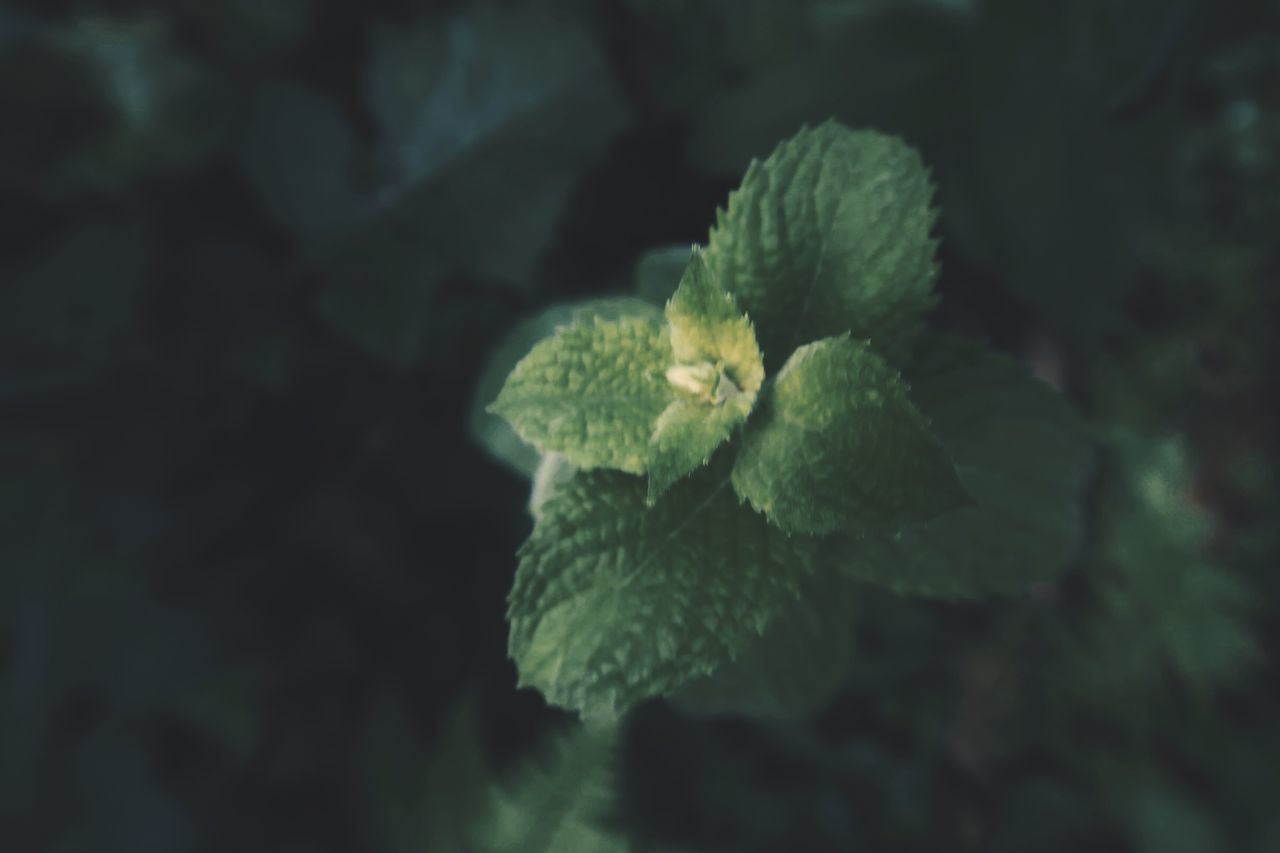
(716, 377)
(791, 671)
(841, 446)
(615, 602)
(492, 431)
(592, 392)
(830, 234)
(1021, 454)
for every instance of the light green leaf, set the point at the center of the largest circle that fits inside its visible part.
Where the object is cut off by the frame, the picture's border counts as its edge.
(1021, 454)
(706, 326)
(490, 430)
(841, 447)
(686, 435)
(592, 392)
(830, 234)
(615, 602)
(716, 377)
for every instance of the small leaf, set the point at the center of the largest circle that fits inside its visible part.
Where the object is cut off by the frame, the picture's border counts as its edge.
(614, 602)
(686, 435)
(706, 326)
(494, 433)
(830, 234)
(592, 392)
(1019, 450)
(843, 447)
(717, 375)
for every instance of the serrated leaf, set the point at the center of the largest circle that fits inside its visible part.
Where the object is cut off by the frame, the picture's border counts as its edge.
(615, 602)
(1021, 454)
(842, 447)
(685, 436)
(706, 326)
(490, 430)
(830, 234)
(592, 392)
(716, 377)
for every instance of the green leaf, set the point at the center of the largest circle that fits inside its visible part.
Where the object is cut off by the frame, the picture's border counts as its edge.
(793, 669)
(842, 447)
(615, 602)
(592, 392)
(830, 234)
(494, 433)
(716, 377)
(685, 436)
(1021, 454)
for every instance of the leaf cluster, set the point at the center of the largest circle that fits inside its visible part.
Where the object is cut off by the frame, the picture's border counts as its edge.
(787, 429)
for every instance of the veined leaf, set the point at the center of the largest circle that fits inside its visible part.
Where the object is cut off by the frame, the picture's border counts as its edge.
(592, 392)
(615, 602)
(842, 447)
(493, 432)
(716, 377)
(792, 670)
(1021, 454)
(830, 234)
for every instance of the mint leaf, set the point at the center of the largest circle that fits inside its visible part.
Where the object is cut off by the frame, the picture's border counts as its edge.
(790, 671)
(684, 438)
(592, 392)
(1021, 454)
(490, 430)
(614, 602)
(841, 446)
(717, 373)
(830, 234)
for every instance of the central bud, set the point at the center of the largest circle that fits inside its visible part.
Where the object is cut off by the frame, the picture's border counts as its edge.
(707, 382)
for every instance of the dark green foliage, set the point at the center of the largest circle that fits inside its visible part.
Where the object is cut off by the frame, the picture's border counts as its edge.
(254, 257)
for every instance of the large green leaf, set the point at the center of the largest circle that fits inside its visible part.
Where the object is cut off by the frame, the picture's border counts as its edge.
(716, 377)
(841, 447)
(615, 602)
(592, 392)
(830, 234)
(794, 668)
(1021, 454)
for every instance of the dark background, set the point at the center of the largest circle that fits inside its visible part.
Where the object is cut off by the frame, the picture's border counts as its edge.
(253, 554)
